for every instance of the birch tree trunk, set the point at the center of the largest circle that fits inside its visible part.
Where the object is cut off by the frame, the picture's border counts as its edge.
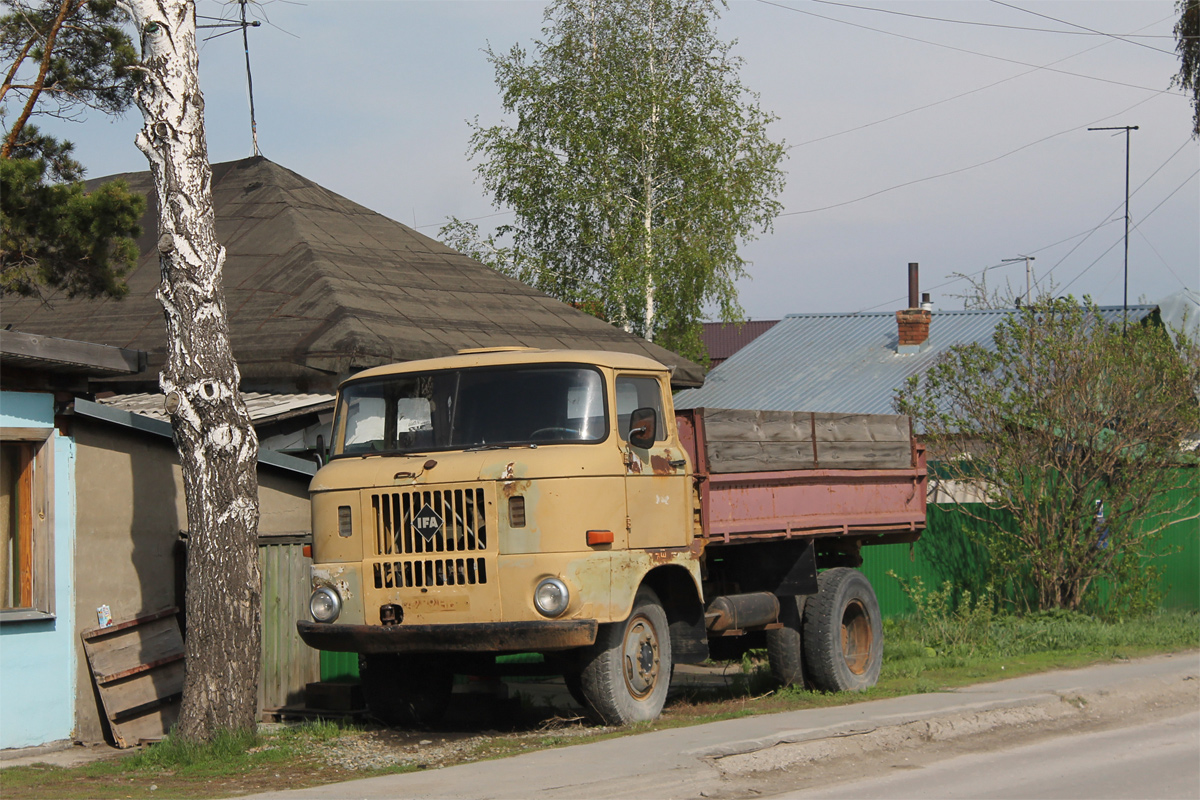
(218, 448)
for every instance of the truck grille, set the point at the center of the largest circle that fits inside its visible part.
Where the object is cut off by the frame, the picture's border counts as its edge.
(430, 521)
(431, 572)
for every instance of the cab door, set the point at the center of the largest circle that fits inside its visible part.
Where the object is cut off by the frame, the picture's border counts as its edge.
(656, 483)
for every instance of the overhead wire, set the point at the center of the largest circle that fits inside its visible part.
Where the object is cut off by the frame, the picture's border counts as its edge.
(1186, 181)
(1109, 220)
(1154, 250)
(965, 50)
(1138, 188)
(1083, 27)
(976, 23)
(963, 94)
(963, 169)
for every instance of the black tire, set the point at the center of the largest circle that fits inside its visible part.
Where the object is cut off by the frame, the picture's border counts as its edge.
(784, 645)
(405, 691)
(627, 673)
(574, 683)
(843, 633)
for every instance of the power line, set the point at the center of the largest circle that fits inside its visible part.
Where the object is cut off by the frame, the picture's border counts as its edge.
(964, 50)
(469, 219)
(1108, 216)
(1085, 234)
(965, 94)
(1186, 181)
(1154, 249)
(960, 169)
(1084, 27)
(1084, 32)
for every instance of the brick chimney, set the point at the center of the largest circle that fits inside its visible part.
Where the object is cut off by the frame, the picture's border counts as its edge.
(913, 322)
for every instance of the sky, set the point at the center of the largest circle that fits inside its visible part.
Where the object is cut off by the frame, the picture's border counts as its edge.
(944, 133)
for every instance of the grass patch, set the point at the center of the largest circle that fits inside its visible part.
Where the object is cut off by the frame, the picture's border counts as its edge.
(234, 763)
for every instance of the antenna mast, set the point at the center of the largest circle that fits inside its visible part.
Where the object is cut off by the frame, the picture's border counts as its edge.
(217, 22)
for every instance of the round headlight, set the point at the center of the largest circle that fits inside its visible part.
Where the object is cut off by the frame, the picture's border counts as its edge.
(325, 604)
(551, 597)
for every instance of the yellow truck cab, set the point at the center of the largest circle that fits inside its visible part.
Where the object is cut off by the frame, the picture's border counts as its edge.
(519, 500)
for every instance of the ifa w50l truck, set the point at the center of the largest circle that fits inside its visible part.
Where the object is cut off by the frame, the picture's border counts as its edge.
(536, 501)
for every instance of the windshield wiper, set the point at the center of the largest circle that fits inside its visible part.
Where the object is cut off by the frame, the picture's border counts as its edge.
(480, 447)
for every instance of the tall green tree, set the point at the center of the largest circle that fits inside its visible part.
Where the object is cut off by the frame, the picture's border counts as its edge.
(1072, 430)
(1187, 44)
(636, 163)
(60, 58)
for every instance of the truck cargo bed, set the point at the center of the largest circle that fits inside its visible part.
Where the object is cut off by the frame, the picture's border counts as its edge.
(781, 474)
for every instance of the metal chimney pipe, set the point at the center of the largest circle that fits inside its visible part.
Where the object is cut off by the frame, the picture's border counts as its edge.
(914, 291)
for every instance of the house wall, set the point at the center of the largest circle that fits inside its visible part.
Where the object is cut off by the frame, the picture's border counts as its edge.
(37, 657)
(131, 509)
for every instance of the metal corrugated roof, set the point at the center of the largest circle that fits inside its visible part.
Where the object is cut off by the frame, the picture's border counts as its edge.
(723, 339)
(842, 362)
(262, 406)
(158, 427)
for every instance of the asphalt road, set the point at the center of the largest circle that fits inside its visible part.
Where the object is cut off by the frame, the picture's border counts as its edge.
(1092, 732)
(1160, 759)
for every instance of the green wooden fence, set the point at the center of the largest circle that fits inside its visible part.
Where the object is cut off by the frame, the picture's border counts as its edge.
(945, 552)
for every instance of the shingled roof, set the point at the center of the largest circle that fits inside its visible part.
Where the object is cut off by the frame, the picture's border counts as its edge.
(318, 287)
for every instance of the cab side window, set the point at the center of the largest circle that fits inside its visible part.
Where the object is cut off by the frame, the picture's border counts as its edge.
(638, 392)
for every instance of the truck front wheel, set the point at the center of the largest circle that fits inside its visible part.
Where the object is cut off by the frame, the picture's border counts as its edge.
(843, 633)
(627, 672)
(405, 691)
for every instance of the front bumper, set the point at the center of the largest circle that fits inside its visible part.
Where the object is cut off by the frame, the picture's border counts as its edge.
(472, 637)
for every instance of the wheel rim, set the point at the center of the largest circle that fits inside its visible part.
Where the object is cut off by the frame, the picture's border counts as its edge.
(640, 656)
(857, 637)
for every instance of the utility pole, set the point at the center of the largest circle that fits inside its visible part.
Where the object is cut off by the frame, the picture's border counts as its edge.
(218, 22)
(1125, 299)
(1028, 274)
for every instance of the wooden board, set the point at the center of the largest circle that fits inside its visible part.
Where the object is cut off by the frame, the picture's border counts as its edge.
(768, 441)
(138, 668)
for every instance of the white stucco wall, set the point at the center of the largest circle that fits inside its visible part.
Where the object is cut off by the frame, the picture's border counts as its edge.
(37, 658)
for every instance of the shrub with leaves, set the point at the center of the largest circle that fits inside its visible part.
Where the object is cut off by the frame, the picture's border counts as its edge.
(1074, 427)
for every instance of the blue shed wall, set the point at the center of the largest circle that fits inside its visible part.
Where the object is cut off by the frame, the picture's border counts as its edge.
(37, 658)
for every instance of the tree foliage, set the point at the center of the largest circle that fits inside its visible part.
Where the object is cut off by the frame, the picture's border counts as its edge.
(57, 235)
(636, 163)
(1187, 44)
(1074, 430)
(61, 57)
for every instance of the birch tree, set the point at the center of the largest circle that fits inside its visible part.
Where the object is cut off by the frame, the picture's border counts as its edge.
(636, 164)
(218, 449)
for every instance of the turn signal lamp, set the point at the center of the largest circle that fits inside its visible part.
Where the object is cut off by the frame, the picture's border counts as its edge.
(595, 538)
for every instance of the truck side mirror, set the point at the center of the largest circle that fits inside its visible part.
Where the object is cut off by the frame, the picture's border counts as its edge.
(642, 427)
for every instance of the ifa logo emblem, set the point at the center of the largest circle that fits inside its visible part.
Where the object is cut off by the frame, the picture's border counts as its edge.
(427, 522)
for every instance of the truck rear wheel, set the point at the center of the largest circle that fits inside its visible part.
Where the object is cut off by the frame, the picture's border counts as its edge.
(843, 633)
(627, 673)
(405, 690)
(784, 645)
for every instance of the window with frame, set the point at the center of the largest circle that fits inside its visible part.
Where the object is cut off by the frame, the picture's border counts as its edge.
(26, 544)
(634, 392)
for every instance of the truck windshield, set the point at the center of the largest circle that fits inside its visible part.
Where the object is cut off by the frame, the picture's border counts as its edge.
(461, 409)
